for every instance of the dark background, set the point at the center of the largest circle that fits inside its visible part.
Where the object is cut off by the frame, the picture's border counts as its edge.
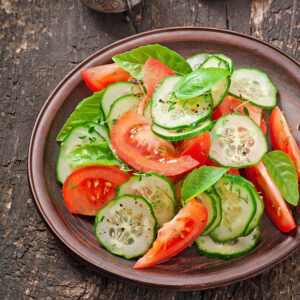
(40, 42)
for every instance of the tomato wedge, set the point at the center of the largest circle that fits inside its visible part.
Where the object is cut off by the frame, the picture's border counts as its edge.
(153, 72)
(275, 206)
(137, 145)
(282, 138)
(98, 78)
(197, 147)
(176, 235)
(229, 102)
(88, 189)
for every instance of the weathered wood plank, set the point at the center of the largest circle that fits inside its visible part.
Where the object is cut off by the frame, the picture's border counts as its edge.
(41, 41)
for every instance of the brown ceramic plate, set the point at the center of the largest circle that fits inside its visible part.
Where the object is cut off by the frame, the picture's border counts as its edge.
(188, 270)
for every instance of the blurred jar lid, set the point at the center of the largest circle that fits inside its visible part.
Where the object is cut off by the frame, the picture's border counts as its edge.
(111, 6)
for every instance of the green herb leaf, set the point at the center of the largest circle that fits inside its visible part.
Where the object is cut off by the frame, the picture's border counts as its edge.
(199, 82)
(133, 61)
(91, 129)
(246, 111)
(88, 110)
(200, 180)
(92, 154)
(283, 172)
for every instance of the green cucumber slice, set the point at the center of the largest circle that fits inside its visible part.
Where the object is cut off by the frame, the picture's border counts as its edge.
(196, 60)
(227, 59)
(147, 111)
(115, 91)
(126, 226)
(215, 62)
(157, 190)
(220, 90)
(120, 106)
(230, 249)
(254, 86)
(172, 113)
(237, 141)
(238, 207)
(213, 205)
(259, 209)
(181, 134)
(78, 136)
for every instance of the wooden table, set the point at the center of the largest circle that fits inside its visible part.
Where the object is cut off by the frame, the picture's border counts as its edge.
(41, 41)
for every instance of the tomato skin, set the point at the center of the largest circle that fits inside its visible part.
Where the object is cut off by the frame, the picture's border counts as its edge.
(137, 145)
(212, 163)
(98, 78)
(275, 206)
(282, 138)
(154, 72)
(88, 189)
(197, 147)
(230, 102)
(176, 235)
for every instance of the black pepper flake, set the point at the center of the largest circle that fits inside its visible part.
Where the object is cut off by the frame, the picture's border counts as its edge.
(197, 105)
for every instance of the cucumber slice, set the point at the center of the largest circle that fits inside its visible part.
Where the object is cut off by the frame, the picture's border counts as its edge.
(172, 113)
(181, 134)
(237, 141)
(78, 136)
(196, 60)
(120, 107)
(227, 59)
(115, 91)
(126, 226)
(215, 62)
(213, 205)
(220, 90)
(214, 209)
(230, 249)
(259, 209)
(254, 86)
(157, 190)
(238, 207)
(147, 111)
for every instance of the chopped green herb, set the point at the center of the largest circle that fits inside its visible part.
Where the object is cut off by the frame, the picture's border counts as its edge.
(91, 129)
(92, 139)
(82, 137)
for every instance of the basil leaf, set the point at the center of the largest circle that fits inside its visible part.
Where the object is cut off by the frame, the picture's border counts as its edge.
(91, 154)
(133, 61)
(283, 172)
(199, 82)
(88, 110)
(200, 180)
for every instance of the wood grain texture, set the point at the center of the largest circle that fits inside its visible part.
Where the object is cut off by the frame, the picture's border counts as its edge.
(41, 41)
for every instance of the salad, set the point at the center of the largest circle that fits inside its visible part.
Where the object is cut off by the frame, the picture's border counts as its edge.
(169, 152)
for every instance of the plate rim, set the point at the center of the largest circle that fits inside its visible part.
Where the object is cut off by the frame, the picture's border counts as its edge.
(136, 276)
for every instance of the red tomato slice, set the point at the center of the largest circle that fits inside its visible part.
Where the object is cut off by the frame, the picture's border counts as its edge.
(282, 138)
(275, 206)
(212, 163)
(137, 145)
(176, 235)
(98, 78)
(230, 102)
(88, 189)
(197, 147)
(154, 71)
